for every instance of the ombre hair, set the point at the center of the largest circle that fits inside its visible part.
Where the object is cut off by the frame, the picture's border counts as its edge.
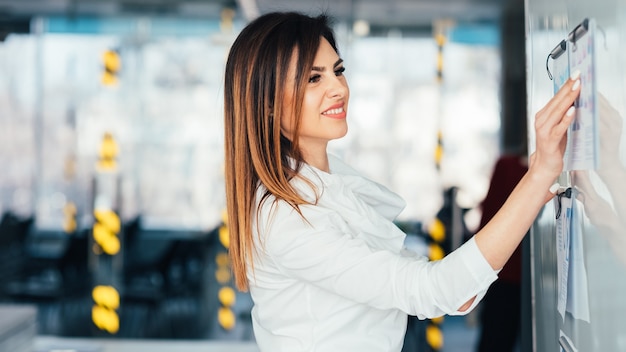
(257, 153)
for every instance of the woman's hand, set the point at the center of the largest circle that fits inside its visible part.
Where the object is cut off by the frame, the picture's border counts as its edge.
(551, 123)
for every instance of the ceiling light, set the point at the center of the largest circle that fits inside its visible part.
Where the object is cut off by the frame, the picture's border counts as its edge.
(361, 28)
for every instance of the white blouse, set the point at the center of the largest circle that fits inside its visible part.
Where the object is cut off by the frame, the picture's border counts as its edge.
(341, 280)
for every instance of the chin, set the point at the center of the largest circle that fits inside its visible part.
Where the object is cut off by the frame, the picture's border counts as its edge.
(342, 134)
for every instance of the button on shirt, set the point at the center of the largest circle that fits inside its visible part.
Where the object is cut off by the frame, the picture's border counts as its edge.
(339, 279)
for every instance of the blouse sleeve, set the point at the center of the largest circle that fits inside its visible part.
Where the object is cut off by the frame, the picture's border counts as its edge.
(321, 251)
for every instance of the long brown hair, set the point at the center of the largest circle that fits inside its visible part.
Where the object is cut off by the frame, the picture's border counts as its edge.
(254, 90)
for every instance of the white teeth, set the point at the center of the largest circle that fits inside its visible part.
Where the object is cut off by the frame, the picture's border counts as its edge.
(333, 111)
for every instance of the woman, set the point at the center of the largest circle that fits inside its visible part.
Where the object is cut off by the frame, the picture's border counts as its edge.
(311, 238)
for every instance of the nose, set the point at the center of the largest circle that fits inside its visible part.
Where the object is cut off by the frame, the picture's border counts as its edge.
(338, 87)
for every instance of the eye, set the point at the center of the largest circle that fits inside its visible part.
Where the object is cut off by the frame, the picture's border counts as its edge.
(314, 78)
(339, 71)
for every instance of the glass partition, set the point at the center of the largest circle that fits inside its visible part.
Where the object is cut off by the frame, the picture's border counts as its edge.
(578, 243)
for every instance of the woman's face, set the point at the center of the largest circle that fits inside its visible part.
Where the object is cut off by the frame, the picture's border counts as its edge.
(325, 102)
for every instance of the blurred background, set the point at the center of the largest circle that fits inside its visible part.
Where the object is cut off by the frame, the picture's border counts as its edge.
(111, 146)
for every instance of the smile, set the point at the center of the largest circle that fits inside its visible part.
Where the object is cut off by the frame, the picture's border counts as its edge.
(335, 111)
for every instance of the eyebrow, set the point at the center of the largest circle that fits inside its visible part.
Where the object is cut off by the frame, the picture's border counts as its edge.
(322, 69)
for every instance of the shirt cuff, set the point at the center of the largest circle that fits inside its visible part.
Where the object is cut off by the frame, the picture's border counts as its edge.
(478, 273)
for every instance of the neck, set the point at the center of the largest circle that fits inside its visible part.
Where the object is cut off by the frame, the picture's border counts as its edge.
(319, 160)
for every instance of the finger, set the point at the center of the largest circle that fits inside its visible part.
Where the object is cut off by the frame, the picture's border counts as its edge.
(562, 126)
(554, 188)
(555, 125)
(559, 104)
(561, 101)
(556, 132)
(568, 90)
